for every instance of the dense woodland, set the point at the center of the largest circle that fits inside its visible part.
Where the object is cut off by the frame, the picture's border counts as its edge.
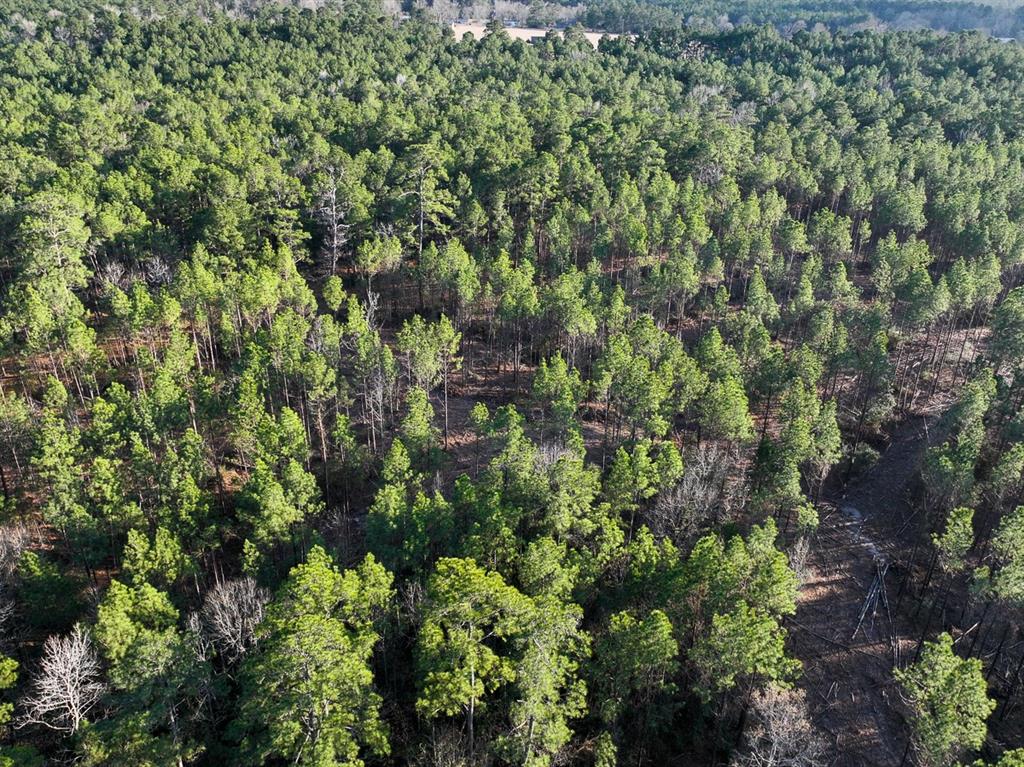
(371, 396)
(1003, 19)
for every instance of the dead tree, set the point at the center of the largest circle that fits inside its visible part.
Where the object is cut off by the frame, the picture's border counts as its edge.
(67, 685)
(231, 612)
(331, 210)
(781, 733)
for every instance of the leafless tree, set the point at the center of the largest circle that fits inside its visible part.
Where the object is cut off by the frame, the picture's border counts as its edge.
(699, 499)
(14, 539)
(114, 273)
(511, 12)
(377, 379)
(799, 559)
(781, 733)
(158, 271)
(445, 11)
(330, 208)
(549, 454)
(446, 746)
(7, 610)
(231, 612)
(67, 684)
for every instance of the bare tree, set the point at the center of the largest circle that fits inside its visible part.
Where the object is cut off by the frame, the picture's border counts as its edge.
(700, 498)
(331, 210)
(67, 684)
(549, 454)
(799, 559)
(781, 734)
(7, 608)
(231, 612)
(158, 271)
(445, 11)
(446, 746)
(14, 539)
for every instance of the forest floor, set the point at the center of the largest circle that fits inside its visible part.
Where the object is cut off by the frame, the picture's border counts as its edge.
(849, 630)
(855, 620)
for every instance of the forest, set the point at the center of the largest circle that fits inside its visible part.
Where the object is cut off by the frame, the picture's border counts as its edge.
(374, 397)
(1002, 18)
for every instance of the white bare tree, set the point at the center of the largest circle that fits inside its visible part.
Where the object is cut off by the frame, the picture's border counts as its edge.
(331, 210)
(799, 559)
(7, 609)
(700, 499)
(445, 11)
(67, 685)
(14, 539)
(231, 612)
(781, 733)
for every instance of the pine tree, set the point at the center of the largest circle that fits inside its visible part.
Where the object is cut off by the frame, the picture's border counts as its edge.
(467, 606)
(307, 692)
(947, 696)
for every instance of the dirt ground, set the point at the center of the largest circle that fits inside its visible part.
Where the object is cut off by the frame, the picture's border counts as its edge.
(478, 29)
(852, 623)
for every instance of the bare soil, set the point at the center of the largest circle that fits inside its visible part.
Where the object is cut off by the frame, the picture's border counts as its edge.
(852, 624)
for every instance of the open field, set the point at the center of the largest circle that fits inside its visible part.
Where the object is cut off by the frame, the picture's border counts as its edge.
(478, 28)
